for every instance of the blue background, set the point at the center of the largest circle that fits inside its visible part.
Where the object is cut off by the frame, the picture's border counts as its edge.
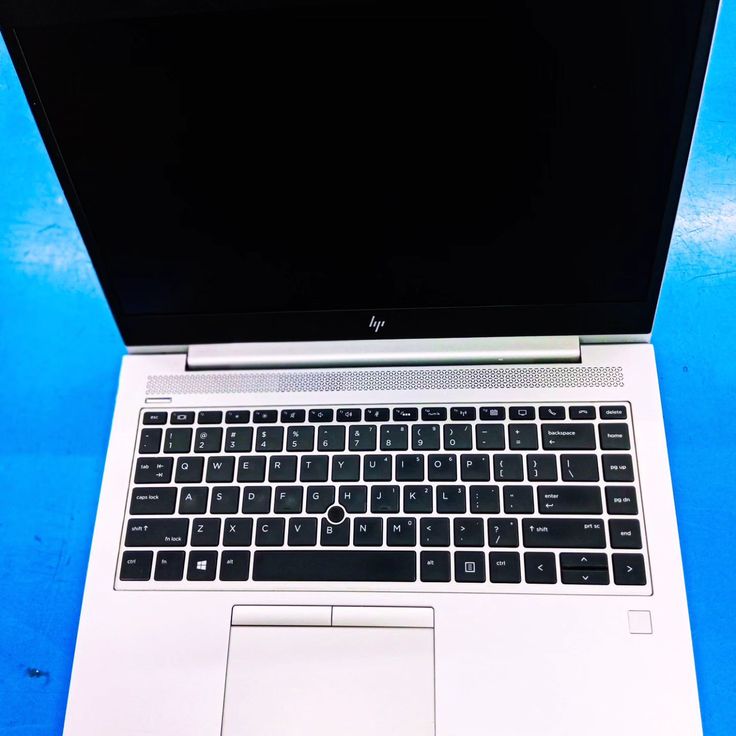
(59, 358)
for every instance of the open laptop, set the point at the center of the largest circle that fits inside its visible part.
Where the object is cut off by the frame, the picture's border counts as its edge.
(388, 451)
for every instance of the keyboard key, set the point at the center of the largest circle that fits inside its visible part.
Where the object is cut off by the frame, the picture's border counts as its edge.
(377, 467)
(293, 416)
(568, 436)
(381, 566)
(458, 436)
(401, 531)
(394, 437)
(569, 500)
(552, 412)
(193, 500)
(225, 500)
(442, 467)
(621, 500)
(614, 436)
(613, 412)
(434, 414)
(300, 439)
(377, 415)
(239, 439)
(582, 412)
(425, 437)
(265, 416)
(302, 532)
(518, 500)
(205, 532)
(354, 499)
(234, 565)
(251, 469)
(384, 499)
(331, 439)
(492, 413)
(209, 417)
(362, 438)
(349, 415)
(462, 413)
(541, 467)
(334, 535)
(624, 533)
(618, 468)
(288, 500)
(202, 565)
(345, 468)
(270, 532)
(153, 501)
(475, 467)
(136, 565)
(484, 500)
(508, 467)
(368, 531)
(583, 561)
(579, 468)
(406, 414)
(178, 440)
(451, 500)
(206, 439)
(503, 533)
(585, 577)
(470, 567)
(156, 532)
(270, 439)
(237, 532)
(319, 416)
(313, 468)
(282, 469)
(629, 569)
(489, 437)
(409, 467)
(417, 499)
(220, 469)
(320, 498)
(189, 469)
(434, 567)
(468, 532)
(150, 442)
(434, 532)
(169, 565)
(153, 470)
(256, 499)
(539, 567)
(523, 413)
(155, 417)
(523, 437)
(504, 567)
(582, 533)
(237, 416)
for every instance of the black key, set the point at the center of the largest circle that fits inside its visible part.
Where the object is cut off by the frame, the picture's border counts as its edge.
(518, 500)
(406, 414)
(270, 439)
(579, 468)
(239, 439)
(394, 437)
(585, 577)
(434, 532)
(345, 468)
(425, 437)
(410, 467)
(434, 414)
(583, 533)
(264, 416)
(523, 413)
(582, 412)
(377, 415)
(489, 437)
(225, 500)
(508, 467)
(618, 468)
(209, 417)
(153, 501)
(189, 469)
(169, 565)
(417, 499)
(178, 440)
(569, 500)
(293, 416)
(270, 532)
(468, 532)
(206, 439)
(331, 439)
(583, 561)
(470, 567)
(401, 531)
(462, 413)
(282, 469)
(504, 567)
(442, 467)
(150, 442)
(302, 532)
(237, 416)
(555, 413)
(475, 467)
(484, 500)
(334, 535)
(354, 499)
(568, 436)
(613, 412)
(205, 532)
(335, 514)
(451, 500)
(349, 415)
(362, 437)
(234, 565)
(251, 469)
(136, 565)
(193, 500)
(155, 417)
(614, 436)
(434, 567)
(523, 437)
(384, 499)
(153, 469)
(320, 498)
(621, 500)
(237, 532)
(313, 468)
(492, 413)
(377, 467)
(381, 566)
(541, 467)
(539, 567)
(368, 531)
(220, 469)
(300, 439)
(458, 436)
(629, 569)
(202, 565)
(156, 532)
(321, 415)
(503, 533)
(256, 499)
(288, 499)
(624, 533)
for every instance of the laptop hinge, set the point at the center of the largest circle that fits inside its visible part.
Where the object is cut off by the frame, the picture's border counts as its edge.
(354, 353)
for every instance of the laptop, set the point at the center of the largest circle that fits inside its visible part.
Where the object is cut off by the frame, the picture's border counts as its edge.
(387, 452)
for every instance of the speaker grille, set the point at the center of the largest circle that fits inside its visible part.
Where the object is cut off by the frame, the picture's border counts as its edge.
(389, 379)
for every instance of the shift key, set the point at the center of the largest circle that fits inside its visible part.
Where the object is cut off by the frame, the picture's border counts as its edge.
(582, 533)
(156, 532)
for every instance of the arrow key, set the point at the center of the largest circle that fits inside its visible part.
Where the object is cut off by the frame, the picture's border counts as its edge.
(585, 577)
(539, 567)
(629, 569)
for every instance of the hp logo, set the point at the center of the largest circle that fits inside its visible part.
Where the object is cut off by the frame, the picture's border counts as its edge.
(375, 324)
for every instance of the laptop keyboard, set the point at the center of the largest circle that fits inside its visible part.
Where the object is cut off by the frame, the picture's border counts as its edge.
(506, 497)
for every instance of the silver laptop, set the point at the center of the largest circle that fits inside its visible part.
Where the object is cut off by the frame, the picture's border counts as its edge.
(388, 452)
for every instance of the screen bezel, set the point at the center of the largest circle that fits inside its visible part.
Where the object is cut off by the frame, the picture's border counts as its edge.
(612, 318)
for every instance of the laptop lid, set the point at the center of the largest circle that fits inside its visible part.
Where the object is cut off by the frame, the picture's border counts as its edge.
(302, 169)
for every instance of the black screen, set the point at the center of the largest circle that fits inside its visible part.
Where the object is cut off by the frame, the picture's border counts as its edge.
(345, 156)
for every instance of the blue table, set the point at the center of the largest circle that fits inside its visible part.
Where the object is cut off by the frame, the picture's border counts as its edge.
(59, 357)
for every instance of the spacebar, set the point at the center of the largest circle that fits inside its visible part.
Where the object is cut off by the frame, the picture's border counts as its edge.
(345, 566)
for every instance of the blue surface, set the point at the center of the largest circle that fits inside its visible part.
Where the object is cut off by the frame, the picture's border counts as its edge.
(59, 357)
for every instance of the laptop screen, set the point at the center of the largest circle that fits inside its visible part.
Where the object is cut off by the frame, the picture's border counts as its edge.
(291, 170)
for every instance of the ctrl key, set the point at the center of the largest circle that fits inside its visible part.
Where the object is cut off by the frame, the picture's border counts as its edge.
(136, 565)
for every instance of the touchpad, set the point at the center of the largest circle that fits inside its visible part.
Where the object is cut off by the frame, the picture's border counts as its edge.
(324, 671)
